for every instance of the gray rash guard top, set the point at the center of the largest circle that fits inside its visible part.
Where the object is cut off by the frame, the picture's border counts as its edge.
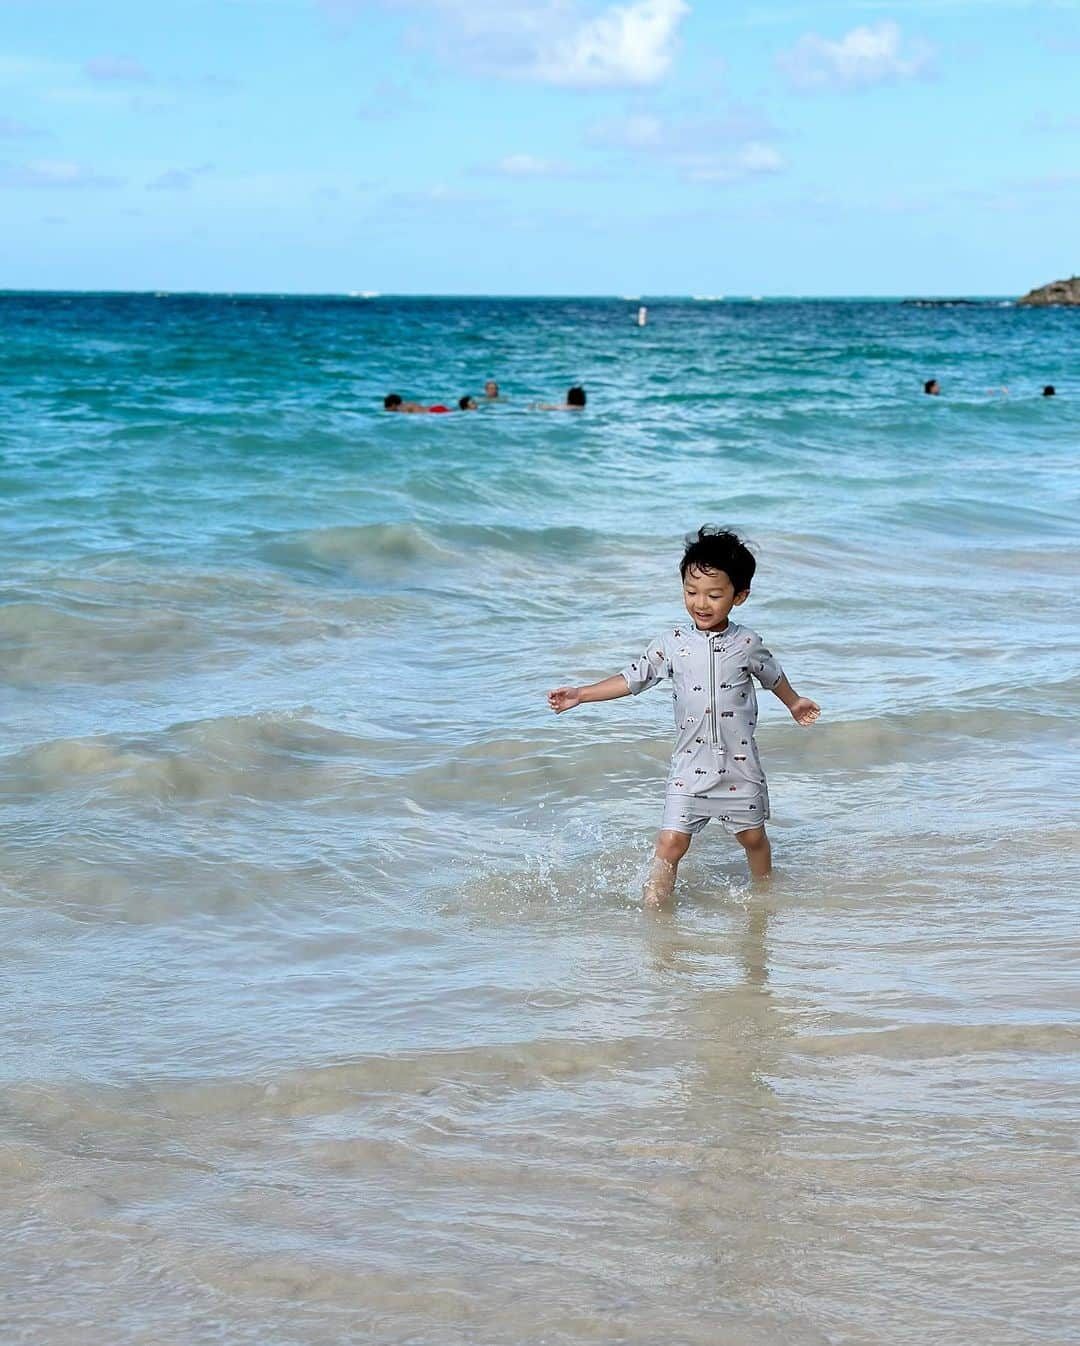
(715, 754)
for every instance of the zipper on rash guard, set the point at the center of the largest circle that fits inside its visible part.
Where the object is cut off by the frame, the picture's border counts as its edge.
(712, 693)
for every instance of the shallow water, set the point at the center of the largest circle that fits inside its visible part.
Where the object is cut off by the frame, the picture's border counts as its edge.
(332, 1011)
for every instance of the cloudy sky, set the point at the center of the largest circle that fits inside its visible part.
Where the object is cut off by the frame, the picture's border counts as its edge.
(540, 146)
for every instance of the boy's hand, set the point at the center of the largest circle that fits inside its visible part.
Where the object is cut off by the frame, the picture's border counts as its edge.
(564, 698)
(804, 711)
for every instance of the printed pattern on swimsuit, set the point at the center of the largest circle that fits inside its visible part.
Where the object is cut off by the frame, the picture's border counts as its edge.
(713, 679)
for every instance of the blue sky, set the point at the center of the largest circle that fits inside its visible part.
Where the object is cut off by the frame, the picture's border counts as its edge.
(540, 146)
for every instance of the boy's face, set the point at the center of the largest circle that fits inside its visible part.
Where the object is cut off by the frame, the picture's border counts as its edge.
(709, 596)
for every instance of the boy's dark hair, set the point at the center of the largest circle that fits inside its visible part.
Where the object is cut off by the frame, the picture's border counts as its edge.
(719, 549)
(1049, 391)
(390, 401)
(929, 385)
(575, 397)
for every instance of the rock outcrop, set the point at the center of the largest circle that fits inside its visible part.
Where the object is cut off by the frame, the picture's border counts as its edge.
(1057, 292)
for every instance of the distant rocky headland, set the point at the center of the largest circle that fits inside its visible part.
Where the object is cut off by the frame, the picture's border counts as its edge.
(1057, 292)
(1066, 292)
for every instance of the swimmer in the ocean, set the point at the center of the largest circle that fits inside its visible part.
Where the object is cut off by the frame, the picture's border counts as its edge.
(393, 402)
(932, 388)
(1049, 391)
(491, 391)
(466, 404)
(575, 401)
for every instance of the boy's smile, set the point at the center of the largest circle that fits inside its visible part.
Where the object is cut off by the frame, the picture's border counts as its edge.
(709, 596)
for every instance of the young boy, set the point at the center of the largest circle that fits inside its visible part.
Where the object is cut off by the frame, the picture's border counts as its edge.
(715, 771)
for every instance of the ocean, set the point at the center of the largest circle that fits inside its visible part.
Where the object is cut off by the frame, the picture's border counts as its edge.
(332, 1013)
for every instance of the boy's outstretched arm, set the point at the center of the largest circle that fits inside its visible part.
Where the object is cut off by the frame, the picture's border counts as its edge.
(803, 710)
(566, 698)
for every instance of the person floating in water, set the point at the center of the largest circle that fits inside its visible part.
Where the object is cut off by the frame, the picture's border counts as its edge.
(393, 402)
(711, 661)
(1049, 391)
(932, 388)
(575, 401)
(491, 391)
(466, 403)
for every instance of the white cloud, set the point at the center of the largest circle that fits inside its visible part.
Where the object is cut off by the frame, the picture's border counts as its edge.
(528, 166)
(735, 144)
(755, 157)
(625, 45)
(439, 198)
(117, 70)
(548, 41)
(52, 173)
(865, 56)
(178, 179)
(733, 124)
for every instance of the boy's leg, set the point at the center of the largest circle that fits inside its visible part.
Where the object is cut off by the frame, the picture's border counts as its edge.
(671, 846)
(755, 843)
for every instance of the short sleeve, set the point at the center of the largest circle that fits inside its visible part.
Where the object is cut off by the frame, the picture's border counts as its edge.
(763, 664)
(649, 668)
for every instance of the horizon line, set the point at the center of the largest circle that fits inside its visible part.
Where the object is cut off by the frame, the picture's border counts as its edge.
(366, 296)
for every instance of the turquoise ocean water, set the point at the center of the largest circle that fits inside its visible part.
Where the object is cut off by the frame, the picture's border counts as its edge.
(331, 1010)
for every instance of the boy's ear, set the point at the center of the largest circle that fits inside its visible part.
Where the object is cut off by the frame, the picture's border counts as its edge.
(741, 598)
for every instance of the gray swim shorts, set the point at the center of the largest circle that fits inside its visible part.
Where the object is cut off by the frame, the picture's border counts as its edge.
(689, 813)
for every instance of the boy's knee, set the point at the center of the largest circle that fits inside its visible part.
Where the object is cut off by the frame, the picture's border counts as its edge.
(672, 846)
(754, 839)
